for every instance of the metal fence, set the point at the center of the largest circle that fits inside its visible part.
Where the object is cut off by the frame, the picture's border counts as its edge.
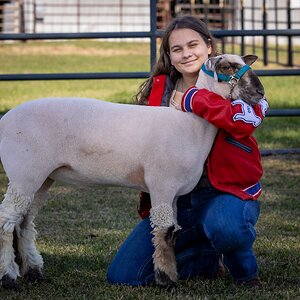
(153, 34)
(263, 15)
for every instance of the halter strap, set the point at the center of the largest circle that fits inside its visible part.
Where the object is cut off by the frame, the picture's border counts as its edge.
(228, 78)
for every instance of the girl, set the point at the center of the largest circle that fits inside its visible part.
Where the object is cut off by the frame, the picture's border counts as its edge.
(219, 215)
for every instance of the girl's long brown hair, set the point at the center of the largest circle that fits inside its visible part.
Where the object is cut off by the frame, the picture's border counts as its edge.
(163, 65)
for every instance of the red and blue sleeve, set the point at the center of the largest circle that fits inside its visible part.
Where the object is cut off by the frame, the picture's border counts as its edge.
(236, 117)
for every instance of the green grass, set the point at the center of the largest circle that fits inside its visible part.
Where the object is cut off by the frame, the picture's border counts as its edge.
(80, 231)
(276, 133)
(282, 92)
(92, 56)
(14, 93)
(39, 57)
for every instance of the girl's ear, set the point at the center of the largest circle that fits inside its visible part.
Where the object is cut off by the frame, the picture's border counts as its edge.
(249, 59)
(209, 48)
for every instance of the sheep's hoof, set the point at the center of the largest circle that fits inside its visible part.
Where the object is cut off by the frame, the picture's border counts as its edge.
(163, 280)
(9, 283)
(34, 276)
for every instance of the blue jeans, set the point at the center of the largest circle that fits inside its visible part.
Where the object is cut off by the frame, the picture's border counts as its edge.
(213, 223)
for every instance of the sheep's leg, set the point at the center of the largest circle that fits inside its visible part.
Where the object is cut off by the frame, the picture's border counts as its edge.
(12, 210)
(30, 259)
(164, 222)
(164, 257)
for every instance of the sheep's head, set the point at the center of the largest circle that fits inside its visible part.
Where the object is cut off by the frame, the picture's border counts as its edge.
(233, 77)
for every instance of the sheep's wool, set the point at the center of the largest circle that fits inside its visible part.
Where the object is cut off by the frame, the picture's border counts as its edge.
(11, 209)
(162, 216)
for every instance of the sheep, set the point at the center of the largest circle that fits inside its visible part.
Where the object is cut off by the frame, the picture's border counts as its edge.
(91, 142)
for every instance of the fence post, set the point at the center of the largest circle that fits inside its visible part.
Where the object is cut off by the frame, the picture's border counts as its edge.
(242, 27)
(206, 12)
(223, 24)
(1, 17)
(276, 27)
(153, 33)
(289, 26)
(253, 25)
(121, 14)
(265, 40)
(21, 17)
(78, 15)
(34, 16)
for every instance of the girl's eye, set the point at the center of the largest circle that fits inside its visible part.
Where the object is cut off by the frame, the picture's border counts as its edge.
(176, 50)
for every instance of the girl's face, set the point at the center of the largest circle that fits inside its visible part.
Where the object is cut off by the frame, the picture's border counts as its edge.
(188, 51)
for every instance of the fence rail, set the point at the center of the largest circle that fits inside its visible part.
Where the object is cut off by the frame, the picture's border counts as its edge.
(153, 34)
(141, 34)
(119, 75)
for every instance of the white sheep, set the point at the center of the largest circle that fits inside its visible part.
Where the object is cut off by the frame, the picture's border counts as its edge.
(91, 142)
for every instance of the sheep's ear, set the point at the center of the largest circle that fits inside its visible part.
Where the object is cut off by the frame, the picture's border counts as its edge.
(211, 63)
(249, 59)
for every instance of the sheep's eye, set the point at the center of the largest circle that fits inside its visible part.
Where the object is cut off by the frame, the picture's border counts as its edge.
(229, 68)
(226, 69)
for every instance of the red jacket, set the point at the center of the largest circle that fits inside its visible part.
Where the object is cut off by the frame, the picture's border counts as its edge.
(234, 163)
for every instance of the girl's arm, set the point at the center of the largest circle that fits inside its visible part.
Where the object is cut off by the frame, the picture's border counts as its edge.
(236, 117)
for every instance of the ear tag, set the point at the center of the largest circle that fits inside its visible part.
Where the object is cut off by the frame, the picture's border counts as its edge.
(216, 76)
(209, 65)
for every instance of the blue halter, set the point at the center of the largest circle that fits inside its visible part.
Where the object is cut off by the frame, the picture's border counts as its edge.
(231, 79)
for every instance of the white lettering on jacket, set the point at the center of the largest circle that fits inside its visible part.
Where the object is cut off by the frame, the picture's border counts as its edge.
(247, 115)
(264, 105)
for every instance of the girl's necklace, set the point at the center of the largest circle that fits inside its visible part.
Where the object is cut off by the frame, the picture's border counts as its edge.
(177, 94)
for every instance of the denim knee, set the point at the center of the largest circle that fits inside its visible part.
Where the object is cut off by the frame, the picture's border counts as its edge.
(229, 222)
(133, 263)
(129, 274)
(231, 237)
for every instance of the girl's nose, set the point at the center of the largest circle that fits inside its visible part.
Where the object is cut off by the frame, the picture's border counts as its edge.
(186, 53)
